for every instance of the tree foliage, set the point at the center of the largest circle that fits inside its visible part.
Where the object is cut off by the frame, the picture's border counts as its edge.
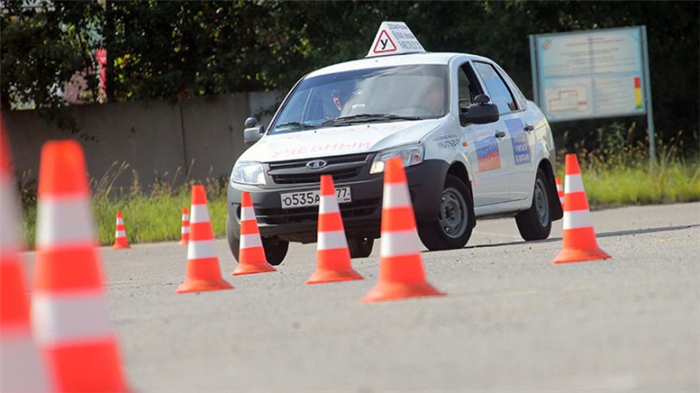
(42, 49)
(174, 50)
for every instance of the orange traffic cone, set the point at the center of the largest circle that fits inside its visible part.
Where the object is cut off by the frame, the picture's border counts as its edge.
(22, 368)
(401, 266)
(203, 271)
(251, 254)
(560, 191)
(185, 231)
(332, 255)
(579, 241)
(120, 240)
(69, 310)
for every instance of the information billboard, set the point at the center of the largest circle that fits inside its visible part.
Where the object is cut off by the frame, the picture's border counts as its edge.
(590, 74)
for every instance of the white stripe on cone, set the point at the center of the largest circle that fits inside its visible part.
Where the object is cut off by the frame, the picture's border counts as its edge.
(577, 219)
(120, 234)
(396, 195)
(185, 230)
(64, 220)
(120, 221)
(329, 204)
(331, 240)
(200, 213)
(573, 183)
(250, 241)
(199, 249)
(247, 213)
(185, 217)
(395, 243)
(60, 318)
(19, 359)
(8, 209)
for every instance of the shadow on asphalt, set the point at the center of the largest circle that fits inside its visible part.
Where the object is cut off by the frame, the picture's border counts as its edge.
(598, 235)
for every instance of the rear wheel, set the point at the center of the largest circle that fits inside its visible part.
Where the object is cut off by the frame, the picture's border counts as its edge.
(535, 223)
(360, 247)
(452, 227)
(275, 249)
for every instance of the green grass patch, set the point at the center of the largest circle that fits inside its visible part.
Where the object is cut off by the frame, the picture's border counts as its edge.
(642, 186)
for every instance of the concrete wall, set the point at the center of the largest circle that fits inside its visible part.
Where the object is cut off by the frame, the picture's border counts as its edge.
(203, 136)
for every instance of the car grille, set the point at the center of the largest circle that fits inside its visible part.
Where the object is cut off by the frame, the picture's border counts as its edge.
(277, 216)
(296, 172)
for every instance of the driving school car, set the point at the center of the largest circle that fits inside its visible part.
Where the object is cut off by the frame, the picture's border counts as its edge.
(471, 143)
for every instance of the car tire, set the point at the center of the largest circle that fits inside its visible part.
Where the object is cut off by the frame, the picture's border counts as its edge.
(360, 247)
(453, 225)
(275, 249)
(535, 223)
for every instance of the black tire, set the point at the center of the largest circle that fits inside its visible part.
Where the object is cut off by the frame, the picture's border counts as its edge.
(360, 247)
(275, 249)
(535, 223)
(454, 223)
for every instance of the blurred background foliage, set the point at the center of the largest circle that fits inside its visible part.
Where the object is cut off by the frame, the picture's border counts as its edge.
(176, 50)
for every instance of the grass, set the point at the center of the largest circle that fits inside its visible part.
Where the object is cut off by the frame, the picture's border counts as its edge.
(616, 174)
(150, 215)
(619, 172)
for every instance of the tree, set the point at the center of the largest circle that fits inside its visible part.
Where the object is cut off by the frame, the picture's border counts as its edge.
(43, 47)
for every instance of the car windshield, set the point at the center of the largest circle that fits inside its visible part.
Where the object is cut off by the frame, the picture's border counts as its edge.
(411, 92)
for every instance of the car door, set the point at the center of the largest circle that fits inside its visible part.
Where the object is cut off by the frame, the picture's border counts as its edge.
(523, 136)
(487, 145)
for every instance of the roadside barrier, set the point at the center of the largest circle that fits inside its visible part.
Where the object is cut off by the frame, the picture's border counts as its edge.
(23, 369)
(120, 240)
(203, 271)
(332, 253)
(69, 310)
(185, 230)
(579, 239)
(560, 191)
(251, 254)
(401, 272)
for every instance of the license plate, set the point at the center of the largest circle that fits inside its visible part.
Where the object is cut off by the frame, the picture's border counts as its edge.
(293, 200)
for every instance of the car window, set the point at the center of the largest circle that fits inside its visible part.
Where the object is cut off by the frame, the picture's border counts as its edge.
(497, 89)
(417, 91)
(467, 86)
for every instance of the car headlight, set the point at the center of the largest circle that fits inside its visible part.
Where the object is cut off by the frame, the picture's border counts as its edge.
(411, 155)
(248, 173)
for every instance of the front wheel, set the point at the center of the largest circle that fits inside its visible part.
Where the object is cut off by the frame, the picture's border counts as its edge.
(452, 227)
(275, 249)
(360, 247)
(535, 223)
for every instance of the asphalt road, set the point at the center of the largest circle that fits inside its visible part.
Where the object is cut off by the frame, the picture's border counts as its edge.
(511, 321)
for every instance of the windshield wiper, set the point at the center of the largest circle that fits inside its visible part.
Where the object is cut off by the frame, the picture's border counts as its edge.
(295, 124)
(368, 117)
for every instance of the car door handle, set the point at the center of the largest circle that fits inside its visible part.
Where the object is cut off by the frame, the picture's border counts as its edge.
(529, 127)
(500, 134)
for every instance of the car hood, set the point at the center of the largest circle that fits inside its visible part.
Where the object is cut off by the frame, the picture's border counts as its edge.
(336, 141)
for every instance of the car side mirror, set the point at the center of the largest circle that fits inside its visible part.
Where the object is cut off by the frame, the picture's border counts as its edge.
(481, 112)
(252, 131)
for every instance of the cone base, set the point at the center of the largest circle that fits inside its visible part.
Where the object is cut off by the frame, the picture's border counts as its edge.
(398, 291)
(120, 246)
(580, 255)
(190, 285)
(242, 269)
(321, 276)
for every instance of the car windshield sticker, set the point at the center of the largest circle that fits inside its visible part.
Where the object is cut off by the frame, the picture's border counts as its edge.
(521, 147)
(487, 153)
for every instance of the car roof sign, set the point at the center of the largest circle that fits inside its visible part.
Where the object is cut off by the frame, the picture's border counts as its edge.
(394, 38)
